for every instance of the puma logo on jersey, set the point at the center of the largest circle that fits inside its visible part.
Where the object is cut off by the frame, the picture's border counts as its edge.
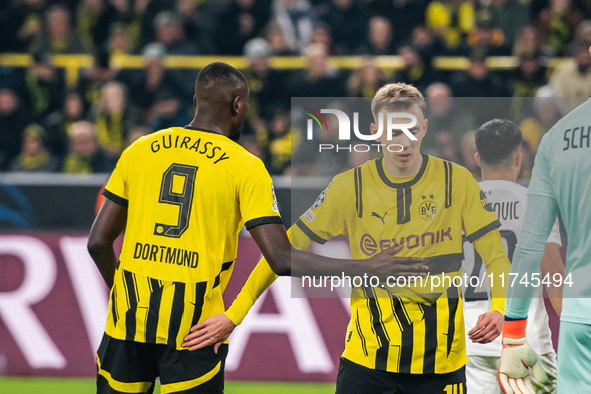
(373, 214)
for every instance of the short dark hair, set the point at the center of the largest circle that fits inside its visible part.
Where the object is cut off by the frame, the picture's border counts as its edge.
(497, 140)
(219, 74)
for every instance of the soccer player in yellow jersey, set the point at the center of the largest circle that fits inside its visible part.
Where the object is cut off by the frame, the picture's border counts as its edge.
(396, 344)
(182, 194)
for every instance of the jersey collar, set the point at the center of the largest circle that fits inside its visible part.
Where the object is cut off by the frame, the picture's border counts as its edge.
(403, 185)
(204, 130)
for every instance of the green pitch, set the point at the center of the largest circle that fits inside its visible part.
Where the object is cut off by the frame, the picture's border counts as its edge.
(86, 386)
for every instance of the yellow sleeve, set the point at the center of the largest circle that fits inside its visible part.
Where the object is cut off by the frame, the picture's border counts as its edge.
(258, 204)
(260, 279)
(325, 219)
(490, 247)
(117, 189)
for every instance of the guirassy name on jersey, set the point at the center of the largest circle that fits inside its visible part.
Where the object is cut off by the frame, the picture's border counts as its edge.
(208, 149)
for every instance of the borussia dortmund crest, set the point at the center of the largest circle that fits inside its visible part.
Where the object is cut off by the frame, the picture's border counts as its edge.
(428, 208)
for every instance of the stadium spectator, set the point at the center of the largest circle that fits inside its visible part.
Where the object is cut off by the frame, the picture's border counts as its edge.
(448, 121)
(415, 70)
(267, 85)
(274, 35)
(527, 42)
(319, 79)
(198, 22)
(524, 81)
(57, 124)
(167, 111)
(13, 118)
(120, 40)
(450, 20)
(379, 38)
(239, 22)
(169, 32)
(281, 145)
(510, 16)
(486, 38)
(427, 45)
(348, 24)
(322, 34)
(89, 26)
(296, 19)
(152, 78)
(57, 36)
(34, 155)
(404, 16)
(85, 156)
(365, 81)
(552, 28)
(546, 113)
(44, 86)
(21, 25)
(114, 118)
(477, 81)
(572, 79)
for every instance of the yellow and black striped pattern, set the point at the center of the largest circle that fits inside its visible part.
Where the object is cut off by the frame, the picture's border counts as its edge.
(144, 309)
(407, 330)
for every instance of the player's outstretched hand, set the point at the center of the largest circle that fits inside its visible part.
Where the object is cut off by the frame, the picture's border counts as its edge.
(385, 264)
(213, 331)
(487, 328)
(517, 358)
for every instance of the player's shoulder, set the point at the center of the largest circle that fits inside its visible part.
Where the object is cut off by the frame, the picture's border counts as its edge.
(572, 119)
(504, 189)
(354, 174)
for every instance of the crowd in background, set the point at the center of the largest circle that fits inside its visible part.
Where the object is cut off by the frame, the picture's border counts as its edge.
(46, 125)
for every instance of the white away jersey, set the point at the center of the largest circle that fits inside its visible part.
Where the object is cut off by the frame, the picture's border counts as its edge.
(508, 200)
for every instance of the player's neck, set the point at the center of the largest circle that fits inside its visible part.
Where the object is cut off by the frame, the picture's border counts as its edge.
(403, 171)
(498, 175)
(209, 123)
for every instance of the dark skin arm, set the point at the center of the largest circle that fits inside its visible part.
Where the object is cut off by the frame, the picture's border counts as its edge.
(273, 242)
(108, 224)
(286, 260)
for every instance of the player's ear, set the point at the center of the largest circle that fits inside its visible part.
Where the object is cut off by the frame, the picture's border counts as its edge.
(518, 159)
(425, 126)
(373, 129)
(236, 104)
(477, 158)
(194, 101)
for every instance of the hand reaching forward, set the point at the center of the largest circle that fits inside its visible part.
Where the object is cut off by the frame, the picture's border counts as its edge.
(487, 328)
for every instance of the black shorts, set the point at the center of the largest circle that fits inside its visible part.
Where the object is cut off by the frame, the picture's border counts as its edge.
(353, 378)
(132, 367)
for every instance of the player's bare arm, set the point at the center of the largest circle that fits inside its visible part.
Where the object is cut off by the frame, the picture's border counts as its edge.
(490, 324)
(108, 224)
(277, 250)
(552, 264)
(274, 244)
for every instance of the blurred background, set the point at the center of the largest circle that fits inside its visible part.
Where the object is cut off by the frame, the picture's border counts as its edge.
(82, 79)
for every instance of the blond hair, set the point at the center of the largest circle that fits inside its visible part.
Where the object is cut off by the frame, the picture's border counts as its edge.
(397, 96)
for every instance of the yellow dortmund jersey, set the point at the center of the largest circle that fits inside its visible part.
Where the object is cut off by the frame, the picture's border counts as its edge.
(188, 194)
(426, 213)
